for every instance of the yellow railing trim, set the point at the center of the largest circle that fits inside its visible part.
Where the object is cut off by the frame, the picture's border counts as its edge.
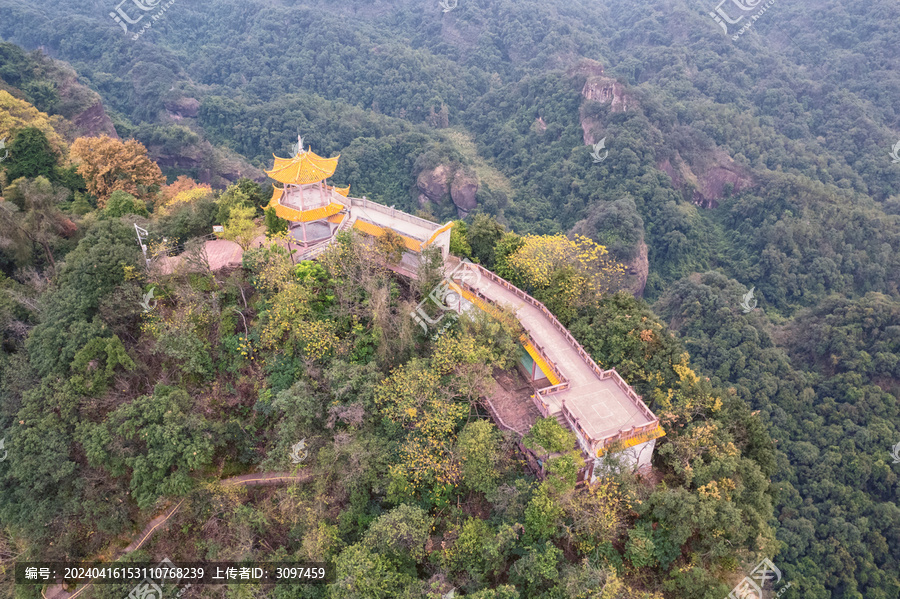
(654, 433)
(544, 365)
(438, 232)
(376, 231)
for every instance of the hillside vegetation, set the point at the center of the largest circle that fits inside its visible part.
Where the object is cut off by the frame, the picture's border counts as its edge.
(760, 162)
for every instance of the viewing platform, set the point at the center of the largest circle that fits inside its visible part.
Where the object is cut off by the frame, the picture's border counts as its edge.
(599, 406)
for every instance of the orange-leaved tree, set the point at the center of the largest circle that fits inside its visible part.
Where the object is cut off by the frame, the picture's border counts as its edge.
(110, 164)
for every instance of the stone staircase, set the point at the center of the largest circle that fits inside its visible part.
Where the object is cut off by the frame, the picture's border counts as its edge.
(562, 420)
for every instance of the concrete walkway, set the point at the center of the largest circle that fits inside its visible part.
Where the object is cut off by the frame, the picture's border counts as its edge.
(600, 402)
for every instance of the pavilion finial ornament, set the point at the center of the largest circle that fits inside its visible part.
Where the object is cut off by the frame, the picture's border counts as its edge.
(449, 5)
(297, 148)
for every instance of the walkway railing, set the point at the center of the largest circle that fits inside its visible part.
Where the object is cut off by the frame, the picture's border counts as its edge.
(597, 445)
(393, 213)
(585, 356)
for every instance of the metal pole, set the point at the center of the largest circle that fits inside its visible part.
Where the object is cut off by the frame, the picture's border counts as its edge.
(141, 235)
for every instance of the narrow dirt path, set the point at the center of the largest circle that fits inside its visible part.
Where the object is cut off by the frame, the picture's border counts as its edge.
(246, 480)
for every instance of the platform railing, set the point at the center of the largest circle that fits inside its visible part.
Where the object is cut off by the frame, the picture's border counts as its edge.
(585, 356)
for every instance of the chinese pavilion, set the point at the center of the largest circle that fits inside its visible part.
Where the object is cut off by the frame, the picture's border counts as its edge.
(313, 207)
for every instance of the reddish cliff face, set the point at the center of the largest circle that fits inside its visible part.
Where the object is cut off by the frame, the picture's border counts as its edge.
(80, 104)
(606, 90)
(599, 88)
(706, 180)
(94, 122)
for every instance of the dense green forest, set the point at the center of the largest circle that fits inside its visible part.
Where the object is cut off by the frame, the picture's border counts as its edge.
(114, 406)
(760, 162)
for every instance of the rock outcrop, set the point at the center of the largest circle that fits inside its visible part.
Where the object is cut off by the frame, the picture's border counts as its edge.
(94, 122)
(599, 88)
(80, 104)
(442, 182)
(638, 269)
(705, 181)
(209, 164)
(433, 185)
(463, 191)
(183, 108)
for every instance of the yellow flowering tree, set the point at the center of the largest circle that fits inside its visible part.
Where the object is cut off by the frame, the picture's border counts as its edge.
(290, 326)
(240, 227)
(186, 197)
(564, 273)
(596, 514)
(430, 399)
(109, 164)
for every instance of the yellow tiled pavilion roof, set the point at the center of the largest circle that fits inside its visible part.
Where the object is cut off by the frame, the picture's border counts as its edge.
(547, 368)
(305, 216)
(303, 169)
(654, 433)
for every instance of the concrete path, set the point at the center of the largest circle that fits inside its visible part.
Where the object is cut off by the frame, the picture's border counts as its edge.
(600, 403)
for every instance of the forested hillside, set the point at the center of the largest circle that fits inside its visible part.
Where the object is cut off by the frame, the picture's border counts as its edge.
(763, 161)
